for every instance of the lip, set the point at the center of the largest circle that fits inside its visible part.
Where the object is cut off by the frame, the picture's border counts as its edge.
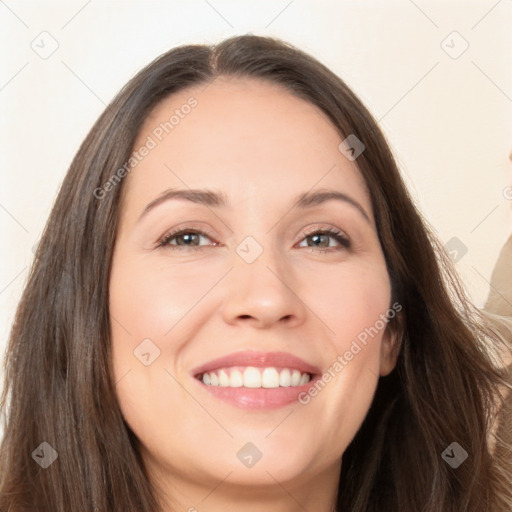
(258, 360)
(257, 398)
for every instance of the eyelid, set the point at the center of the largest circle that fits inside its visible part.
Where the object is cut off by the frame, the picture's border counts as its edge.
(322, 227)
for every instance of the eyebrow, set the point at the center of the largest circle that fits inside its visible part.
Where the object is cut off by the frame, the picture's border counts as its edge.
(215, 199)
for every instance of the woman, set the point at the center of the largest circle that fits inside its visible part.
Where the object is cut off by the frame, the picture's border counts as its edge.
(235, 305)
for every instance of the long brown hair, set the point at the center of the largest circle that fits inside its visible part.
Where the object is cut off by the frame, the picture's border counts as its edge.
(58, 380)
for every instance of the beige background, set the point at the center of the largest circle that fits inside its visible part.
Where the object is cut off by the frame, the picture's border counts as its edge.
(447, 112)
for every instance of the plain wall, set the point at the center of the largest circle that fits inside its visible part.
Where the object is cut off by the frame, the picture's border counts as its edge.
(448, 117)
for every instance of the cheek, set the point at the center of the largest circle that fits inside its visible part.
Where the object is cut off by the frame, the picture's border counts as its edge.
(352, 302)
(155, 309)
(349, 298)
(152, 312)
(149, 299)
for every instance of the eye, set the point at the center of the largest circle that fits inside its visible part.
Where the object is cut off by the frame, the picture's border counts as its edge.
(320, 239)
(184, 238)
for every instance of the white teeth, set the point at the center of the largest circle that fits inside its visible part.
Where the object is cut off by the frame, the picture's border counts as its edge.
(304, 379)
(252, 377)
(223, 379)
(295, 378)
(285, 378)
(270, 378)
(236, 379)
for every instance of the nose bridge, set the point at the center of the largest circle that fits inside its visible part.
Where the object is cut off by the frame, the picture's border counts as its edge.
(261, 265)
(262, 262)
(262, 284)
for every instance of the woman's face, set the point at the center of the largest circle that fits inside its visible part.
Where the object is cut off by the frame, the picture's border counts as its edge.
(252, 275)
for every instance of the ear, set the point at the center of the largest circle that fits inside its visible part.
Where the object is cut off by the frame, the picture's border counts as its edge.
(390, 345)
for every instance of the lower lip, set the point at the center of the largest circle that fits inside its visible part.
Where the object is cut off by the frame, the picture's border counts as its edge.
(258, 398)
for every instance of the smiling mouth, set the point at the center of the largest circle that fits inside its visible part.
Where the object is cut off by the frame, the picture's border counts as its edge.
(270, 377)
(255, 380)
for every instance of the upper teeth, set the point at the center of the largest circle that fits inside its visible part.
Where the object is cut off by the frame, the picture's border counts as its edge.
(252, 377)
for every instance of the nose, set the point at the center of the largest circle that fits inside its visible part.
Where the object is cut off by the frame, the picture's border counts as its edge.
(263, 293)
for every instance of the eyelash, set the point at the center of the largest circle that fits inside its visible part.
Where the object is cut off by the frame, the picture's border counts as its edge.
(163, 243)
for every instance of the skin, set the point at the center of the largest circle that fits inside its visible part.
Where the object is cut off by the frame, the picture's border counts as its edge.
(261, 147)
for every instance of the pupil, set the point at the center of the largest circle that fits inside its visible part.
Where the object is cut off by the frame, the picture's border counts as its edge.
(188, 237)
(316, 238)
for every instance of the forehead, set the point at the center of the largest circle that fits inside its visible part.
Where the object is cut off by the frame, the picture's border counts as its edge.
(250, 138)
